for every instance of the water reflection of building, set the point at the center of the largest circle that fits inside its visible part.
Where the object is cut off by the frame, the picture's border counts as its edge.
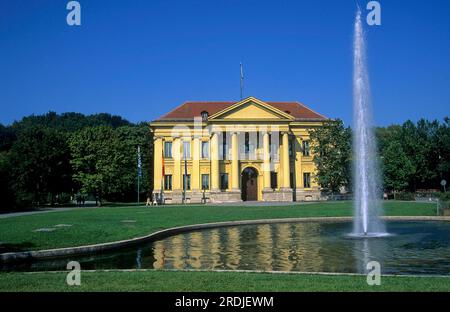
(170, 253)
(308, 247)
(233, 255)
(176, 252)
(214, 249)
(283, 241)
(264, 258)
(196, 250)
(158, 254)
(280, 247)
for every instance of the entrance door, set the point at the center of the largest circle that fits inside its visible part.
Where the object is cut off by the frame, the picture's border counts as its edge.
(249, 184)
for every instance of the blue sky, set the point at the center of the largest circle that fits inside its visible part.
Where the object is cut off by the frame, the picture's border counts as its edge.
(141, 58)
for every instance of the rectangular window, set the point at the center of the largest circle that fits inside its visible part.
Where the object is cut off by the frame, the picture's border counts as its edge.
(224, 181)
(273, 180)
(274, 143)
(258, 137)
(186, 150)
(291, 148)
(205, 150)
(205, 181)
(187, 180)
(167, 149)
(306, 180)
(270, 144)
(305, 148)
(247, 143)
(224, 149)
(168, 182)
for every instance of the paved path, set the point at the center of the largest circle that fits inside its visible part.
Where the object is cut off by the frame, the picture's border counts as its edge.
(261, 203)
(247, 204)
(26, 213)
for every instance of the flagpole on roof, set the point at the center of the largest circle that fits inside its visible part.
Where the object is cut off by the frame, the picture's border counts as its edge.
(242, 80)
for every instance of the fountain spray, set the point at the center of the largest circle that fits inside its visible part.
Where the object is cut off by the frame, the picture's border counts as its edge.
(366, 169)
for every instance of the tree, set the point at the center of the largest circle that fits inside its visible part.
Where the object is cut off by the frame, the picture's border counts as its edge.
(69, 122)
(428, 146)
(421, 144)
(7, 138)
(40, 164)
(99, 161)
(397, 167)
(331, 147)
(36, 160)
(443, 144)
(132, 137)
(6, 193)
(386, 135)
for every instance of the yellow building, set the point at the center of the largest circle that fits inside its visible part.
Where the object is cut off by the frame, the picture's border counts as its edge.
(228, 152)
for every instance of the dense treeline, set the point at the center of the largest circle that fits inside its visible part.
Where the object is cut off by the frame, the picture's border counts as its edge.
(414, 157)
(50, 159)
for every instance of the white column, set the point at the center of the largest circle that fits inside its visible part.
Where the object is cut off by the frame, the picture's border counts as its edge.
(214, 162)
(266, 164)
(285, 161)
(234, 162)
(195, 180)
(176, 154)
(157, 164)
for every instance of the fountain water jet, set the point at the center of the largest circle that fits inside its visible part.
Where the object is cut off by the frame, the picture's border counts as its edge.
(366, 179)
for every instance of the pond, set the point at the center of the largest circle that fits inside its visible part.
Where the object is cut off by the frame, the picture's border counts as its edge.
(414, 248)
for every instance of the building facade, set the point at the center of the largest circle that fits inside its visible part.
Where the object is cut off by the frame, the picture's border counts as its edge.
(235, 151)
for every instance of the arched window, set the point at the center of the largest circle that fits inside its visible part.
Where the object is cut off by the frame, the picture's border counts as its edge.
(204, 115)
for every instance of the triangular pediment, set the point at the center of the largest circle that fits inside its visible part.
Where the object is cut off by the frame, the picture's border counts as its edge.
(251, 109)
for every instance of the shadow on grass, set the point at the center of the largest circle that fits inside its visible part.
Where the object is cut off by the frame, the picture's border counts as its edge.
(5, 247)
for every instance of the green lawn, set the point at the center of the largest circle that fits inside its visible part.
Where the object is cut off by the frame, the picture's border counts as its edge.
(98, 225)
(106, 224)
(213, 281)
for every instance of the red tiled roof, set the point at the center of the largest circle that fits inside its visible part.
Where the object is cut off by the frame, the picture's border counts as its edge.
(189, 110)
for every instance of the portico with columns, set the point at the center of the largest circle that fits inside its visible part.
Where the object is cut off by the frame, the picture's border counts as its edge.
(229, 152)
